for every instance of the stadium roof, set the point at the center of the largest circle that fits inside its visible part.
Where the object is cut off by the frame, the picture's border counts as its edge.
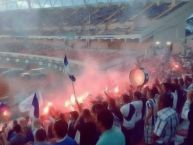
(25, 4)
(105, 21)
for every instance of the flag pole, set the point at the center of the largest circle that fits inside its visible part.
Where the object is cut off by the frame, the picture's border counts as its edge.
(76, 100)
(73, 79)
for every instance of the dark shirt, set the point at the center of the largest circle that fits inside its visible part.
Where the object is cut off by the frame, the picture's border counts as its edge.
(117, 113)
(88, 133)
(72, 130)
(50, 131)
(10, 134)
(181, 100)
(18, 139)
(29, 134)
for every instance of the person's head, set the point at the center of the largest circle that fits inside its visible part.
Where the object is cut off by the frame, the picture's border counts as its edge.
(105, 104)
(111, 103)
(126, 98)
(86, 114)
(169, 80)
(4, 126)
(40, 135)
(187, 80)
(145, 90)
(175, 81)
(181, 81)
(58, 115)
(62, 116)
(17, 128)
(27, 118)
(173, 87)
(60, 128)
(166, 87)
(37, 123)
(74, 115)
(22, 122)
(149, 94)
(15, 123)
(154, 91)
(105, 120)
(96, 108)
(165, 101)
(137, 95)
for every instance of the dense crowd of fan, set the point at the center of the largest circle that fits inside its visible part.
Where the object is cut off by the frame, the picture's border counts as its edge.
(158, 115)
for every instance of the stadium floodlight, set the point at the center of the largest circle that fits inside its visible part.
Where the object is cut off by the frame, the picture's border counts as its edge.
(168, 43)
(157, 43)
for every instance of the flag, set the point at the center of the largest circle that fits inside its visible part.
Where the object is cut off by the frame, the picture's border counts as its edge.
(66, 67)
(72, 78)
(24, 102)
(65, 61)
(35, 104)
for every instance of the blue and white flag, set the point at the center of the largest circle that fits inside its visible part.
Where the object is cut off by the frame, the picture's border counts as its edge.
(66, 68)
(29, 104)
(72, 77)
(65, 61)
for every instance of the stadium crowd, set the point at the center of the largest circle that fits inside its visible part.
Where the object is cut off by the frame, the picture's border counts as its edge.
(158, 115)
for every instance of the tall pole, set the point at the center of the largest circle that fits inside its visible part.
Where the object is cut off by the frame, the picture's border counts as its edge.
(76, 100)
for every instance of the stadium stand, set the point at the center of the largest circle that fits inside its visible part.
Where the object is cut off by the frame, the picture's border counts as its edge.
(156, 10)
(172, 9)
(104, 19)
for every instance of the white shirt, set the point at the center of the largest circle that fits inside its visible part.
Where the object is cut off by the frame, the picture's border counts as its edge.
(125, 109)
(151, 104)
(166, 125)
(138, 109)
(174, 96)
(185, 110)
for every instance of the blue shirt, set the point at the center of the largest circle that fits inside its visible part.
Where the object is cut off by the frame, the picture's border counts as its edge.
(66, 141)
(18, 139)
(113, 136)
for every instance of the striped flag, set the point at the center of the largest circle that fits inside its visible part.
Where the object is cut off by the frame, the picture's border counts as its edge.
(66, 67)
